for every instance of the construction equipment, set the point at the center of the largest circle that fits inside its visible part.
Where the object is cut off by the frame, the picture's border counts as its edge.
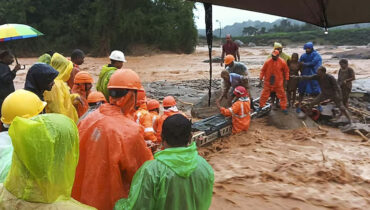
(217, 126)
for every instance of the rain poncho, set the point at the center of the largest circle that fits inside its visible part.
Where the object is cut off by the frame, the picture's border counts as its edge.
(104, 76)
(239, 113)
(59, 98)
(71, 80)
(44, 164)
(112, 149)
(273, 73)
(6, 152)
(45, 58)
(38, 78)
(178, 178)
(311, 62)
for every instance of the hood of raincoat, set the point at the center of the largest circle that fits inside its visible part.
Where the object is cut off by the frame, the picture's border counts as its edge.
(104, 76)
(39, 77)
(45, 58)
(62, 65)
(182, 160)
(46, 151)
(308, 45)
(277, 45)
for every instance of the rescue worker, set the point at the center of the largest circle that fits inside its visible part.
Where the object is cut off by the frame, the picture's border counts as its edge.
(329, 90)
(239, 111)
(44, 164)
(82, 87)
(170, 108)
(178, 178)
(274, 73)
(230, 48)
(311, 62)
(295, 68)
(143, 118)
(6, 75)
(278, 46)
(77, 58)
(40, 78)
(230, 82)
(94, 99)
(117, 59)
(345, 77)
(235, 67)
(153, 108)
(59, 98)
(112, 146)
(21, 103)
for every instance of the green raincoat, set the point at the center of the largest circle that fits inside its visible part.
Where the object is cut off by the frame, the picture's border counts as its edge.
(104, 76)
(45, 58)
(6, 151)
(46, 152)
(178, 178)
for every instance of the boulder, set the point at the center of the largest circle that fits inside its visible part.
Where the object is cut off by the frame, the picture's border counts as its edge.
(251, 44)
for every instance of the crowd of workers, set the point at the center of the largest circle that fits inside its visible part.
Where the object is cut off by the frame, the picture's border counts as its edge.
(281, 76)
(64, 146)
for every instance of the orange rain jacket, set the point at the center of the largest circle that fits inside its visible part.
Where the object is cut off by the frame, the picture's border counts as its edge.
(112, 149)
(239, 113)
(80, 90)
(280, 70)
(143, 118)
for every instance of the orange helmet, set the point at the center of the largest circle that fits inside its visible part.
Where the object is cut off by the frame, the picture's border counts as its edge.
(83, 77)
(153, 104)
(169, 101)
(141, 97)
(95, 97)
(229, 59)
(125, 79)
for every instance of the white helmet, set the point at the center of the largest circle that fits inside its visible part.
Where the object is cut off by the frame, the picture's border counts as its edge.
(117, 56)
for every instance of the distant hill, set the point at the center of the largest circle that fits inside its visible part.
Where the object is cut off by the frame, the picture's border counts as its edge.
(237, 28)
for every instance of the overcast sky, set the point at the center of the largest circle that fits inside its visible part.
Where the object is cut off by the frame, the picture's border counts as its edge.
(228, 16)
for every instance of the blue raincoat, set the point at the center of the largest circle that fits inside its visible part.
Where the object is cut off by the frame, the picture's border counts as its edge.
(311, 62)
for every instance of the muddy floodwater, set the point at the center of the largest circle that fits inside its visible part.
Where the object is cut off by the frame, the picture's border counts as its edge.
(265, 168)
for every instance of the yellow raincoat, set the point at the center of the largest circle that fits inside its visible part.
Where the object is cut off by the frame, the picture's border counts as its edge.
(46, 152)
(59, 98)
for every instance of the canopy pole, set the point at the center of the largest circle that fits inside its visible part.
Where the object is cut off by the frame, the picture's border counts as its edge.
(209, 33)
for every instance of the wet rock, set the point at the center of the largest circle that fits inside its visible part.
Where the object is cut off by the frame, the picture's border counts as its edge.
(251, 44)
(290, 121)
(214, 60)
(239, 43)
(358, 53)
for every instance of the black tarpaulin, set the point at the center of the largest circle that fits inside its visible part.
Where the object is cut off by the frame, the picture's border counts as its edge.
(324, 13)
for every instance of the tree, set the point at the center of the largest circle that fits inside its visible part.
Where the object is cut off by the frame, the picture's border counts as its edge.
(249, 31)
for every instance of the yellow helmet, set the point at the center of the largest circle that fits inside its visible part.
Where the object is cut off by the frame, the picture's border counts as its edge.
(21, 103)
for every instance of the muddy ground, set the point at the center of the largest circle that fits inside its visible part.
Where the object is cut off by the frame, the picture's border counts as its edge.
(265, 168)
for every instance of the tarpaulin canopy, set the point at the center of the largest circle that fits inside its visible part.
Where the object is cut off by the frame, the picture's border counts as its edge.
(324, 13)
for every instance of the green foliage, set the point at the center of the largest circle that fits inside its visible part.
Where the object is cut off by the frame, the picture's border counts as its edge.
(99, 26)
(335, 37)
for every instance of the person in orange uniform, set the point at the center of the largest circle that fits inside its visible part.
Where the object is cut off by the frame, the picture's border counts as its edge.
(275, 72)
(83, 84)
(143, 118)
(153, 108)
(239, 111)
(170, 108)
(95, 100)
(112, 146)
